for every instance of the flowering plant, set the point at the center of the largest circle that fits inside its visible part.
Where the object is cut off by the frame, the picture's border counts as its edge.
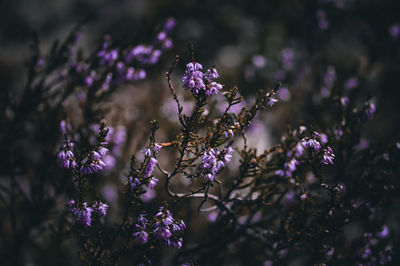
(194, 190)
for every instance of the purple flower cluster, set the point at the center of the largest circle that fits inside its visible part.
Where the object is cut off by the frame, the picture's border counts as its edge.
(150, 54)
(141, 226)
(83, 215)
(288, 168)
(213, 161)
(327, 156)
(315, 143)
(93, 161)
(166, 228)
(66, 155)
(163, 227)
(384, 256)
(197, 81)
(150, 181)
(123, 60)
(106, 55)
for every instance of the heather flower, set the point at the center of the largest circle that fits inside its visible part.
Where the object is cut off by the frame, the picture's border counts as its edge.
(299, 149)
(152, 182)
(328, 156)
(271, 101)
(169, 24)
(64, 127)
(139, 74)
(167, 229)
(211, 74)
(93, 161)
(228, 133)
(195, 80)
(351, 83)
(212, 162)
(344, 100)
(312, 143)
(288, 168)
(157, 147)
(141, 236)
(100, 208)
(106, 57)
(141, 224)
(66, 155)
(82, 215)
(134, 182)
(150, 167)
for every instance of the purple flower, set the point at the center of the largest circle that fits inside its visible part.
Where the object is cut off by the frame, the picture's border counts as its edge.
(344, 100)
(66, 155)
(162, 36)
(167, 229)
(100, 208)
(351, 83)
(328, 156)
(212, 162)
(288, 168)
(384, 233)
(134, 182)
(153, 182)
(211, 74)
(169, 24)
(312, 143)
(82, 215)
(150, 167)
(195, 80)
(141, 236)
(141, 225)
(271, 101)
(64, 127)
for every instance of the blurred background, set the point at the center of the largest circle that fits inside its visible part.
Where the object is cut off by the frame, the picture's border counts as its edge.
(253, 44)
(320, 50)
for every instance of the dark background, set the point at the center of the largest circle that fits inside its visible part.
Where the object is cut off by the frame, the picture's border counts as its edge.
(228, 33)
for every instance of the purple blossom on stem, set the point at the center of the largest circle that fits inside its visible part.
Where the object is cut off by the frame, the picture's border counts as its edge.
(152, 183)
(167, 229)
(82, 215)
(195, 80)
(344, 100)
(134, 182)
(66, 155)
(328, 156)
(288, 168)
(271, 101)
(100, 208)
(351, 83)
(93, 161)
(150, 167)
(212, 162)
(141, 224)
